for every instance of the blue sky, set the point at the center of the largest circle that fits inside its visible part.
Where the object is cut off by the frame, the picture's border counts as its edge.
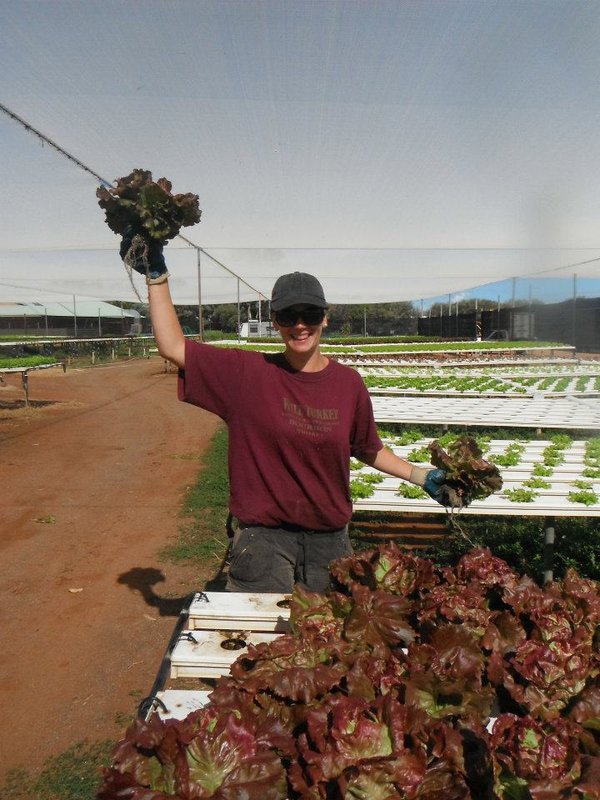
(547, 290)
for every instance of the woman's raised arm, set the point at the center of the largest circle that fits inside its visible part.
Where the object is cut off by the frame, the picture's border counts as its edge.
(165, 324)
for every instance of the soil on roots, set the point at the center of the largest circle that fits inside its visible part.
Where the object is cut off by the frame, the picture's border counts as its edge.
(93, 474)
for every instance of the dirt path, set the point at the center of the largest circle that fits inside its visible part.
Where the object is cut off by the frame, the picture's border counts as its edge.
(91, 489)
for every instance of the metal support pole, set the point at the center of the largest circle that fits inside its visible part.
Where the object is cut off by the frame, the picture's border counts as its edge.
(25, 385)
(574, 316)
(364, 320)
(260, 331)
(200, 311)
(99, 324)
(75, 316)
(239, 319)
(548, 550)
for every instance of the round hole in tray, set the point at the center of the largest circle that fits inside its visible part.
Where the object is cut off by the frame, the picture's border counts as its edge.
(233, 643)
(284, 603)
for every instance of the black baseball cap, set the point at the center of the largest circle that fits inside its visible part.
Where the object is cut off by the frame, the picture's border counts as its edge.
(295, 288)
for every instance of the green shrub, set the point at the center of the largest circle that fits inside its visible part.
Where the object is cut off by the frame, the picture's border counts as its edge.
(520, 542)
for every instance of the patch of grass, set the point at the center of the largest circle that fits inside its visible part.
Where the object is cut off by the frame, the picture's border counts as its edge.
(72, 775)
(26, 361)
(205, 509)
(47, 519)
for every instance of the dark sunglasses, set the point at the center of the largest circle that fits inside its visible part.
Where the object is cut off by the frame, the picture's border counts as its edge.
(288, 317)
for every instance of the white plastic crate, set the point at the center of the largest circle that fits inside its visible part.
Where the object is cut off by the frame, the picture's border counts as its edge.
(239, 611)
(202, 654)
(178, 703)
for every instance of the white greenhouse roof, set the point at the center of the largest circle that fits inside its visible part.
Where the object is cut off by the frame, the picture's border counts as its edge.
(398, 149)
(81, 308)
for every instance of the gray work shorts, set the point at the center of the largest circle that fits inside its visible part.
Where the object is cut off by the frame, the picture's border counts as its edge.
(274, 559)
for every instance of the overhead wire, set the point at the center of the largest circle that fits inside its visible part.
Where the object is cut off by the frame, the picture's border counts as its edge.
(73, 159)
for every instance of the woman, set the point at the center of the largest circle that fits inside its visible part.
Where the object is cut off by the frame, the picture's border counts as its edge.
(295, 419)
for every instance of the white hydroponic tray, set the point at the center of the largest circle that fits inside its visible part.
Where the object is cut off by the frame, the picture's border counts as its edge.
(178, 703)
(200, 654)
(239, 611)
(420, 359)
(492, 385)
(517, 412)
(504, 370)
(548, 502)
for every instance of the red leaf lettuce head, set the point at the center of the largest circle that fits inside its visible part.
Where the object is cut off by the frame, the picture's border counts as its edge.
(543, 755)
(386, 568)
(446, 676)
(312, 612)
(299, 670)
(586, 710)
(486, 569)
(208, 755)
(378, 620)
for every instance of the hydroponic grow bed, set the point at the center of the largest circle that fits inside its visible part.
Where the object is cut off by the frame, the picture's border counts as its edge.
(566, 479)
(532, 412)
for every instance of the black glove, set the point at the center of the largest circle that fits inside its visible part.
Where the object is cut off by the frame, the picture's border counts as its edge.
(143, 254)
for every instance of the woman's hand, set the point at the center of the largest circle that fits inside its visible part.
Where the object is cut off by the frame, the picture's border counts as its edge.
(144, 254)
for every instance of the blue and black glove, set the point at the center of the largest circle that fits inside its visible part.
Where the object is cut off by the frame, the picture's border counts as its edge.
(144, 254)
(434, 482)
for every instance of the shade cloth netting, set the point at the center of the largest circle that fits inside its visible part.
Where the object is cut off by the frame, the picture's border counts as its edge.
(397, 149)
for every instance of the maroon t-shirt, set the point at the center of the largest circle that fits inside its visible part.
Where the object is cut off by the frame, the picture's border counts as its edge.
(291, 434)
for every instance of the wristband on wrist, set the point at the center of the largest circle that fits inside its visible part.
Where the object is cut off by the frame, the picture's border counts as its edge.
(159, 278)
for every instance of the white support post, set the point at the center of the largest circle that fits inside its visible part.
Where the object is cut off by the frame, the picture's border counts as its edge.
(574, 315)
(260, 333)
(74, 316)
(200, 312)
(239, 319)
(549, 550)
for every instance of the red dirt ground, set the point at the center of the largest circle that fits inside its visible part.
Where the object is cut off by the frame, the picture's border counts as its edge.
(92, 486)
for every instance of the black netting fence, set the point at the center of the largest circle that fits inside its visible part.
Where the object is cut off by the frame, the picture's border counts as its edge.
(575, 322)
